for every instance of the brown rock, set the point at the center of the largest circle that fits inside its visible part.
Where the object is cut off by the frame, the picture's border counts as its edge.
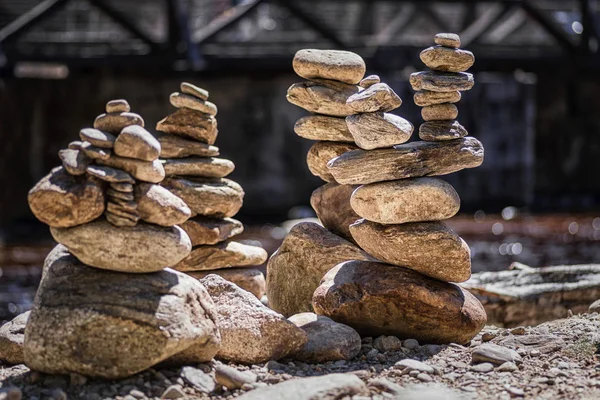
(331, 202)
(424, 98)
(123, 219)
(173, 146)
(181, 100)
(112, 193)
(75, 145)
(207, 167)
(12, 336)
(147, 171)
(157, 205)
(194, 90)
(74, 161)
(447, 39)
(434, 131)
(136, 142)
(117, 106)
(95, 153)
(223, 255)
(319, 155)
(207, 230)
(97, 138)
(377, 97)
(439, 112)
(441, 81)
(446, 59)
(249, 279)
(190, 123)
(337, 65)
(322, 97)
(321, 127)
(122, 187)
(377, 130)
(369, 81)
(115, 122)
(109, 174)
(129, 206)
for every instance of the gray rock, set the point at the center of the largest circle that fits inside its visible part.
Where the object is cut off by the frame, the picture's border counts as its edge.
(322, 127)
(232, 378)
(136, 142)
(74, 161)
(337, 65)
(173, 392)
(12, 336)
(447, 39)
(157, 205)
(377, 97)
(408, 365)
(115, 122)
(173, 146)
(387, 343)
(331, 202)
(594, 307)
(190, 124)
(441, 81)
(378, 130)
(411, 344)
(97, 138)
(323, 97)
(433, 131)
(508, 366)
(482, 368)
(223, 255)
(207, 167)
(200, 380)
(497, 355)
(321, 153)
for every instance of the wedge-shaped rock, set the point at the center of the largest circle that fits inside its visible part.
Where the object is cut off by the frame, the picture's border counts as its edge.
(109, 174)
(337, 65)
(331, 202)
(296, 268)
(218, 198)
(322, 97)
(207, 167)
(181, 100)
(64, 200)
(249, 279)
(74, 161)
(97, 138)
(407, 160)
(322, 127)
(115, 122)
(377, 130)
(194, 90)
(207, 230)
(430, 248)
(441, 58)
(424, 98)
(377, 97)
(112, 325)
(319, 155)
(379, 299)
(12, 336)
(157, 205)
(406, 200)
(223, 255)
(441, 81)
(139, 249)
(251, 333)
(190, 123)
(369, 81)
(434, 131)
(439, 112)
(147, 171)
(136, 142)
(173, 146)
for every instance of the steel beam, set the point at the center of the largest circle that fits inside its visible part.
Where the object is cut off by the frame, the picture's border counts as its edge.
(26, 21)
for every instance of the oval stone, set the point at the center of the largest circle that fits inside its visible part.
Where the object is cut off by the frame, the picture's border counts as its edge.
(321, 153)
(331, 202)
(322, 127)
(447, 39)
(441, 81)
(337, 65)
(439, 112)
(424, 98)
(250, 279)
(377, 130)
(323, 97)
(445, 59)
(377, 97)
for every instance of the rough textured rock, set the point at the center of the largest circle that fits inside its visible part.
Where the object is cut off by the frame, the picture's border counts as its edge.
(173, 146)
(447, 39)
(190, 123)
(210, 197)
(63, 200)
(594, 307)
(446, 59)
(377, 97)
(109, 174)
(369, 81)
(439, 112)
(122, 187)
(424, 98)
(296, 268)
(321, 153)
(406, 200)
(74, 161)
(441, 81)
(232, 378)
(430, 248)
(249, 279)
(207, 167)
(322, 97)
(136, 142)
(12, 336)
(157, 205)
(142, 248)
(377, 130)
(407, 160)
(194, 90)
(117, 106)
(400, 302)
(331, 202)
(322, 127)
(207, 230)
(337, 65)
(114, 122)
(433, 131)
(95, 153)
(146, 171)
(180, 100)
(327, 339)
(251, 333)
(223, 255)
(75, 327)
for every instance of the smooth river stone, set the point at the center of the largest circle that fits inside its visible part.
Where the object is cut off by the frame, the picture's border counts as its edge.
(117, 106)
(138, 249)
(378, 97)
(207, 230)
(97, 138)
(430, 248)
(157, 205)
(409, 160)
(439, 112)
(207, 167)
(441, 81)
(115, 122)
(406, 200)
(424, 98)
(331, 202)
(369, 81)
(379, 299)
(190, 123)
(94, 152)
(296, 268)
(136, 142)
(441, 58)
(321, 127)
(319, 155)
(182, 100)
(223, 255)
(173, 146)
(447, 39)
(323, 97)
(74, 161)
(434, 131)
(122, 187)
(250, 279)
(194, 90)
(337, 65)
(147, 171)
(377, 130)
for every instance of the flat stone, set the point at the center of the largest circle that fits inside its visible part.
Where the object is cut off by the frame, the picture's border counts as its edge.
(122, 187)
(482, 368)
(439, 112)
(337, 65)
(122, 219)
(441, 58)
(377, 97)
(424, 98)
(406, 200)
(109, 174)
(399, 302)
(497, 355)
(182, 100)
(296, 268)
(199, 379)
(378, 129)
(115, 122)
(75, 145)
(136, 142)
(146, 171)
(74, 161)
(220, 198)
(63, 200)
(173, 146)
(447, 39)
(194, 90)
(331, 202)
(98, 138)
(369, 81)
(129, 206)
(430, 248)
(434, 131)
(139, 249)
(327, 339)
(321, 153)
(232, 378)
(322, 127)
(117, 106)
(223, 255)
(407, 365)
(251, 333)
(119, 195)
(75, 327)
(12, 336)
(322, 97)
(207, 230)
(441, 81)
(407, 160)
(207, 167)
(157, 205)
(95, 153)
(249, 279)
(191, 124)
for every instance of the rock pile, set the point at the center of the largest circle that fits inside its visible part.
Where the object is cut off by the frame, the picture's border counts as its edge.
(195, 173)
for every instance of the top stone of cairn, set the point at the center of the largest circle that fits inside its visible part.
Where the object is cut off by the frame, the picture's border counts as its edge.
(447, 40)
(337, 65)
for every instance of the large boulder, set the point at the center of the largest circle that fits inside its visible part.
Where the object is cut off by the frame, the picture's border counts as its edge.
(12, 336)
(331, 202)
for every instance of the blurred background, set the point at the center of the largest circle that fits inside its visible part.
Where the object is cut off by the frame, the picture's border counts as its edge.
(535, 107)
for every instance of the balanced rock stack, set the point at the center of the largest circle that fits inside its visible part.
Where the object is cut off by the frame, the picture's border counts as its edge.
(107, 304)
(196, 174)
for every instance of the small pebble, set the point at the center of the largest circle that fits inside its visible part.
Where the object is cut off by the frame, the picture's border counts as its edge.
(508, 367)
(410, 344)
(423, 377)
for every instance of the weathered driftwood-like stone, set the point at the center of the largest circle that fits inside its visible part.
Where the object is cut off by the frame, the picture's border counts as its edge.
(114, 122)
(173, 146)
(331, 202)
(377, 97)
(409, 160)
(321, 127)
(190, 123)
(379, 299)
(441, 58)
(207, 167)
(441, 81)
(451, 40)
(146, 171)
(206, 230)
(434, 131)
(378, 130)
(430, 248)
(337, 65)
(439, 112)
(424, 98)
(223, 255)
(321, 153)
(323, 97)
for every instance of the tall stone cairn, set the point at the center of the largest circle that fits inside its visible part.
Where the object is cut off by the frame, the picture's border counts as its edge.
(108, 305)
(195, 173)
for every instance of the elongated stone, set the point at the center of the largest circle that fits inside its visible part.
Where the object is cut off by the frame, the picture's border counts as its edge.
(207, 167)
(321, 127)
(173, 146)
(97, 138)
(377, 97)
(337, 65)
(136, 142)
(441, 81)
(119, 195)
(250, 279)
(75, 145)
(323, 97)
(122, 187)
(194, 90)
(109, 174)
(180, 100)
(190, 123)
(441, 58)
(95, 153)
(331, 202)
(74, 161)
(122, 219)
(378, 130)
(424, 98)
(147, 171)
(447, 39)
(223, 255)
(115, 122)
(369, 81)
(206, 230)
(439, 112)
(319, 155)
(409, 160)
(117, 106)
(433, 131)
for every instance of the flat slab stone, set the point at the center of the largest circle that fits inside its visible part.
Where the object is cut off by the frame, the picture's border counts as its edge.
(117, 106)
(109, 174)
(147, 171)
(112, 193)
(122, 218)
(323, 97)
(440, 58)
(322, 127)
(191, 124)
(12, 336)
(377, 97)
(173, 146)
(434, 131)
(223, 255)
(400, 302)
(249, 279)
(182, 100)
(122, 187)
(406, 200)
(115, 122)
(207, 167)
(194, 90)
(430, 248)
(136, 142)
(94, 152)
(441, 81)
(447, 39)
(407, 160)
(439, 112)
(74, 161)
(319, 155)
(331, 202)
(495, 354)
(369, 81)
(97, 138)
(424, 98)
(378, 130)
(337, 65)
(207, 230)
(157, 205)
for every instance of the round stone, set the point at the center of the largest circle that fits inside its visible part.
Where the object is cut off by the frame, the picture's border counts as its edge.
(439, 112)
(337, 65)
(441, 58)
(321, 153)
(447, 39)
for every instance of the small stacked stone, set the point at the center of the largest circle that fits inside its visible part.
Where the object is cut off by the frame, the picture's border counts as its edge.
(197, 175)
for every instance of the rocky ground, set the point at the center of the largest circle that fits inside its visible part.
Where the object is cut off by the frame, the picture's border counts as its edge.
(555, 360)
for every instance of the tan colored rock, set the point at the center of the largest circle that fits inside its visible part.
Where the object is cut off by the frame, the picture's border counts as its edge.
(122, 218)
(319, 155)
(112, 193)
(126, 205)
(74, 161)
(434, 131)
(115, 122)
(194, 90)
(181, 100)
(439, 112)
(190, 123)
(223, 255)
(251, 333)
(399, 302)
(207, 230)
(447, 39)
(377, 97)
(157, 205)
(139, 249)
(407, 160)
(63, 200)
(136, 142)
(12, 336)
(109, 174)
(117, 106)
(441, 58)
(337, 65)
(322, 97)
(97, 138)
(424, 98)
(95, 153)
(146, 171)
(296, 268)
(430, 248)
(322, 127)
(441, 81)
(249, 279)
(122, 187)
(173, 146)
(331, 202)
(369, 81)
(406, 200)
(207, 167)
(378, 129)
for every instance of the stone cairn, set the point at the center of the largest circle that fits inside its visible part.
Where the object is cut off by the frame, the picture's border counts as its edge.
(195, 174)
(381, 198)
